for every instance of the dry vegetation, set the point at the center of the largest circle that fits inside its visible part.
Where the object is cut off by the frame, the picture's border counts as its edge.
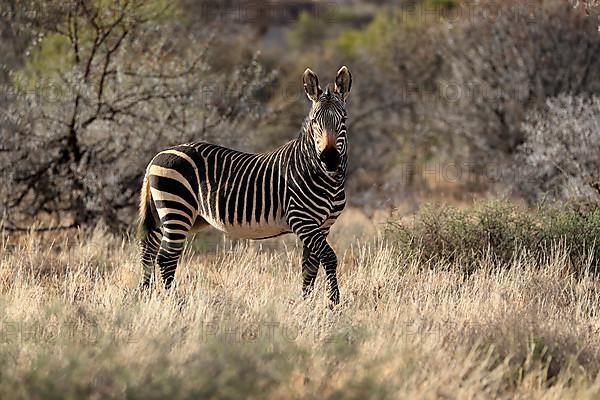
(491, 302)
(73, 324)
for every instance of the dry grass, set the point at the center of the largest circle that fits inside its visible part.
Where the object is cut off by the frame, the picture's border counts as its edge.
(236, 327)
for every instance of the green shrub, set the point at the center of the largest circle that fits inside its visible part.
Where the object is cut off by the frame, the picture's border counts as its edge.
(306, 30)
(500, 231)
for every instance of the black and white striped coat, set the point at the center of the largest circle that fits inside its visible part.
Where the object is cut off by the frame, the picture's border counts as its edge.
(297, 188)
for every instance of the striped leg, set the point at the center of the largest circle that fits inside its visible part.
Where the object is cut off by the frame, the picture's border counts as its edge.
(315, 240)
(310, 267)
(168, 256)
(171, 247)
(329, 260)
(150, 246)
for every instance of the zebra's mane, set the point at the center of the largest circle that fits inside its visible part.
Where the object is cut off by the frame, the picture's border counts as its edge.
(305, 127)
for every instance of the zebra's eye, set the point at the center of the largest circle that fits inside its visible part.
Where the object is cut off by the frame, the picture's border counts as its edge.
(314, 121)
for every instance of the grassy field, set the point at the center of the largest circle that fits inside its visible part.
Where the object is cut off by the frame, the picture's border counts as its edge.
(235, 326)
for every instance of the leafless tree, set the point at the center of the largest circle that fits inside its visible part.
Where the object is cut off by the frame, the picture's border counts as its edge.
(590, 7)
(75, 143)
(504, 65)
(561, 144)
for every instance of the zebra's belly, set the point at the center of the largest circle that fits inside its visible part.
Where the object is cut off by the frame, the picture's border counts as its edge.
(251, 231)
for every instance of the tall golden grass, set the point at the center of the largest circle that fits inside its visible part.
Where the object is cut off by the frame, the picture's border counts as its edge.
(235, 325)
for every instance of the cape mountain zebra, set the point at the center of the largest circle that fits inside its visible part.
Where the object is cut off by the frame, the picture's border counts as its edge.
(297, 188)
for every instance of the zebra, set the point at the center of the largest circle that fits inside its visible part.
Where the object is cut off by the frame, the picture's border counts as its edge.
(297, 188)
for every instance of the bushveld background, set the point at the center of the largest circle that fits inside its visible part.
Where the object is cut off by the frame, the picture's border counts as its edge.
(468, 254)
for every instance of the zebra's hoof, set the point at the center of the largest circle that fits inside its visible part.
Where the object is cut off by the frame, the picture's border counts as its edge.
(307, 294)
(145, 287)
(334, 300)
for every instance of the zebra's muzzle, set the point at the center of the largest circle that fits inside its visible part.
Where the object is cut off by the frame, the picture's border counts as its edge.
(330, 158)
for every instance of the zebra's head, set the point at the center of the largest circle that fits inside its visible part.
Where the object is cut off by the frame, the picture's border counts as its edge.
(327, 117)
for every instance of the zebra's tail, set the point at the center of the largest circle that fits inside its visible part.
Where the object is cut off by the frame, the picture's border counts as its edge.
(145, 222)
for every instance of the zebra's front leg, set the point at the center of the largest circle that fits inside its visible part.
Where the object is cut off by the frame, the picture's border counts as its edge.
(330, 264)
(329, 260)
(315, 240)
(310, 267)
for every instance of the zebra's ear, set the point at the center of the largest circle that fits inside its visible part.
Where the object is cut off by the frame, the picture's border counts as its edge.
(311, 85)
(343, 82)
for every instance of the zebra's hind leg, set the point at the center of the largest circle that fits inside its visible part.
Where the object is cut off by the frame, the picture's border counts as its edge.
(310, 267)
(150, 247)
(171, 247)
